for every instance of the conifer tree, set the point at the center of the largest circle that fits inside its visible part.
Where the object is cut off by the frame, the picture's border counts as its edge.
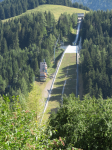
(2, 14)
(4, 47)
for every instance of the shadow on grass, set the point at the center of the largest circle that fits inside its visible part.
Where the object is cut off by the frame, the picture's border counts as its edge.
(60, 77)
(71, 67)
(53, 110)
(55, 99)
(57, 59)
(71, 39)
(59, 83)
(70, 86)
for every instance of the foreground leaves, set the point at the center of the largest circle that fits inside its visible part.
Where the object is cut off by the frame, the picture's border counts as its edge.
(19, 129)
(86, 124)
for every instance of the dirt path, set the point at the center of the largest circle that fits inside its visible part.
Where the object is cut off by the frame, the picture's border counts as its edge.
(46, 89)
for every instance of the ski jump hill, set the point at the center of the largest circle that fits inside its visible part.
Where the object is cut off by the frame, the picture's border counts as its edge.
(65, 80)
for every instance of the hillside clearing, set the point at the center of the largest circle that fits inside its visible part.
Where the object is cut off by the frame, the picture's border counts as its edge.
(57, 10)
(68, 63)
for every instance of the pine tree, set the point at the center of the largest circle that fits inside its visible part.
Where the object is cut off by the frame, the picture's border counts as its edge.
(2, 85)
(23, 86)
(24, 6)
(89, 86)
(74, 20)
(100, 93)
(36, 68)
(96, 91)
(65, 3)
(16, 41)
(87, 62)
(31, 4)
(10, 73)
(2, 14)
(7, 12)
(36, 3)
(13, 11)
(4, 47)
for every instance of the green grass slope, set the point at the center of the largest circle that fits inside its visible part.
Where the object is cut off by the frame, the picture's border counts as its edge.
(57, 10)
(68, 63)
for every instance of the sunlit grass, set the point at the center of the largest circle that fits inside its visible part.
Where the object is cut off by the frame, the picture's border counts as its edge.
(69, 62)
(57, 10)
(52, 68)
(74, 31)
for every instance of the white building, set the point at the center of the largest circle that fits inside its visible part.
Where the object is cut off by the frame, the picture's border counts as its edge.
(43, 71)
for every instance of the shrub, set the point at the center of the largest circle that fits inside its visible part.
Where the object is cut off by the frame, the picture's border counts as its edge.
(86, 124)
(20, 130)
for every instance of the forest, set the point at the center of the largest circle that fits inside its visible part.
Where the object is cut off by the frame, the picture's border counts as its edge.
(96, 53)
(11, 8)
(96, 4)
(78, 124)
(26, 41)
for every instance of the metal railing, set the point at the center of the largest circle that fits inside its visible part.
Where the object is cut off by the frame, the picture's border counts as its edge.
(49, 94)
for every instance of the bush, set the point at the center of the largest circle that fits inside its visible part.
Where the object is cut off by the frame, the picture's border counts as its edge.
(86, 124)
(20, 130)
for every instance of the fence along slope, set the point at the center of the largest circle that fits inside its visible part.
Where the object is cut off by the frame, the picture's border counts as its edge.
(49, 94)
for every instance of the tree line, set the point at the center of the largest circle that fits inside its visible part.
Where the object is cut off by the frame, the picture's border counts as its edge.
(11, 8)
(96, 4)
(26, 41)
(81, 6)
(96, 55)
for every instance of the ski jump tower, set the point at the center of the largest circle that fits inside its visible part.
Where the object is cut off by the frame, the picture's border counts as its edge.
(43, 71)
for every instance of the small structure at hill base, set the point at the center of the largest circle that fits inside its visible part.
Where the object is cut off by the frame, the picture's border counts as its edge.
(43, 71)
(80, 16)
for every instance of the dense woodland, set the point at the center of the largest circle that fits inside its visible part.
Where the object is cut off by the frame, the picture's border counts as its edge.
(96, 56)
(85, 124)
(26, 41)
(96, 4)
(11, 8)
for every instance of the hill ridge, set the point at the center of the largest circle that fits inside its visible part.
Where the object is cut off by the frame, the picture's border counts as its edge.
(55, 9)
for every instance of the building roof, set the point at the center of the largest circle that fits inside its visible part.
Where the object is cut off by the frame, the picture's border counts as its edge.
(80, 14)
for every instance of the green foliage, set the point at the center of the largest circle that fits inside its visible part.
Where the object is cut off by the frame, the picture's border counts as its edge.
(20, 130)
(35, 102)
(96, 53)
(23, 46)
(94, 4)
(24, 43)
(16, 130)
(65, 24)
(81, 6)
(16, 7)
(86, 124)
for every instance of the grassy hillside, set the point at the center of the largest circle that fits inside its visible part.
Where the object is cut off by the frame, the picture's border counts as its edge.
(57, 10)
(66, 72)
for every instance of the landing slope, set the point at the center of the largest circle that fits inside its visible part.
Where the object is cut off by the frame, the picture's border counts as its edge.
(57, 10)
(67, 71)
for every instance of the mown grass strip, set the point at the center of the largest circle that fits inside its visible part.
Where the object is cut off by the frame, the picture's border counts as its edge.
(69, 62)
